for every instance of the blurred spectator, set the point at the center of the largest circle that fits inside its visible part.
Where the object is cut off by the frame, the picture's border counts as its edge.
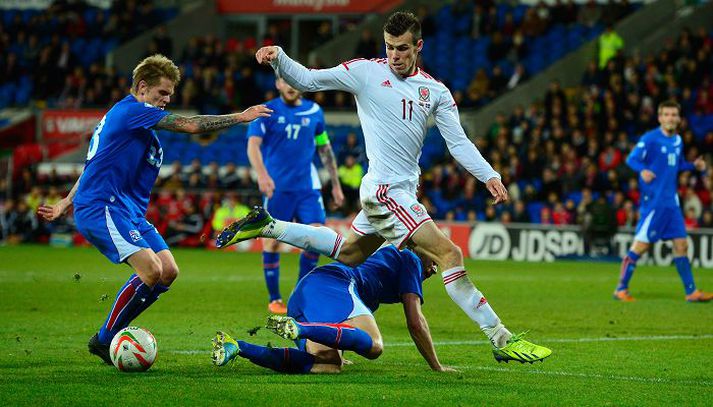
(230, 210)
(599, 226)
(609, 45)
(350, 175)
(352, 147)
(186, 230)
(367, 47)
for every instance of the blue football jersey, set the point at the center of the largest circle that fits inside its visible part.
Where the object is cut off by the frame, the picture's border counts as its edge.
(288, 144)
(124, 158)
(384, 277)
(663, 155)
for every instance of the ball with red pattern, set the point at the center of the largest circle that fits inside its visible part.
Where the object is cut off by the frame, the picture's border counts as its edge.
(133, 349)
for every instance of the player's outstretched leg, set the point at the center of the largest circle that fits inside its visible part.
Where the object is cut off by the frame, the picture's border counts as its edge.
(259, 223)
(521, 351)
(337, 336)
(286, 360)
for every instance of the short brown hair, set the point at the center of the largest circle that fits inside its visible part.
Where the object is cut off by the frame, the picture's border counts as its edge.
(669, 103)
(152, 69)
(400, 22)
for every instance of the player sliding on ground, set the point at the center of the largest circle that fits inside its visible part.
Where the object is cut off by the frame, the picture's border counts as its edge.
(331, 310)
(394, 99)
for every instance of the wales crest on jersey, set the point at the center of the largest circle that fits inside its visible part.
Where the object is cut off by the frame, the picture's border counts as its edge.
(424, 94)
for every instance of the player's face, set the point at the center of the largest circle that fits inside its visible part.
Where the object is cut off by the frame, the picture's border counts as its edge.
(402, 52)
(669, 119)
(289, 94)
(159, 95)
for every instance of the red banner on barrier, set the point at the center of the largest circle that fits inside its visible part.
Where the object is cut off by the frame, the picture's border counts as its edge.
(69, 126)
(305, 6)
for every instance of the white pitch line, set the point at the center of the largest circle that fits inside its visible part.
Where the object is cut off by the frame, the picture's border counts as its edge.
(545, 341)
(642, 379)
(572, 340)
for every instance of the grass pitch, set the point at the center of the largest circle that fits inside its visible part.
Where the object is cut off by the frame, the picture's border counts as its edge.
(655, 351)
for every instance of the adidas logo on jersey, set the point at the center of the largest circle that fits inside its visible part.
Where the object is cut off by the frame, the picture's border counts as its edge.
(386, 83)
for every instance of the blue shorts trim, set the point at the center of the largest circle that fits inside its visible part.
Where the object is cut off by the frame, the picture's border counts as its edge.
(660, 224)
(321, 297)
(304, 207)
(116, 234)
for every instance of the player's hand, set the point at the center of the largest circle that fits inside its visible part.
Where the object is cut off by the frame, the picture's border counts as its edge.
(266, 185)
(647, 175)
(254, 112)
(497, 190)
(265, 55)
(446, 369)
(52, 212)
(338, 195)
(700, 164)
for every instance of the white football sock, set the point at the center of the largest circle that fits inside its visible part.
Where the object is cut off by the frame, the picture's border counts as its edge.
(320, 239)
(473, 303)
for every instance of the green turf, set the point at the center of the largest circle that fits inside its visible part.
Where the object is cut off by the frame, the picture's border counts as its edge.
(47, 316)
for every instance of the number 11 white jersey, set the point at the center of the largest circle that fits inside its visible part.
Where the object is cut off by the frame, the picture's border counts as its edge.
(393, 111)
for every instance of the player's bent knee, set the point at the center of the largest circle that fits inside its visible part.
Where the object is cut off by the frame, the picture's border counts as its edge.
(169, 273)
(150, 272)
(377, 348)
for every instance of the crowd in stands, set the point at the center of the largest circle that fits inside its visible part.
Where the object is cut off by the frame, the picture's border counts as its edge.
(480, 49)
(559, 155)
(562, 158)
(54, 56)
(188, 206)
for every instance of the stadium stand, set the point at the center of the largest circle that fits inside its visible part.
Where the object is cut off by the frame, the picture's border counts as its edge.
(556, 156)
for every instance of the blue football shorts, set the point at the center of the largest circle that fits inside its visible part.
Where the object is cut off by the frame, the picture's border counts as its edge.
(115, 233)
(304, 207)
(660, 224)
(326, 298)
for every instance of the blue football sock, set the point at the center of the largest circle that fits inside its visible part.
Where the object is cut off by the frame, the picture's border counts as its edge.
(271, 267)
(287, 360)
(683, 266)
(158, 289)
(339, 336)
(308, 261)
(130, 298)
(627, 270)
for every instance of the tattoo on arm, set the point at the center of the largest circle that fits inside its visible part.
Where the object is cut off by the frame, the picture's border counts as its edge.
(329, 161)
(197, 124)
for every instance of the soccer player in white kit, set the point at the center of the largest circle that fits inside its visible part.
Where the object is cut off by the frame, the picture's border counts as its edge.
(394, 101)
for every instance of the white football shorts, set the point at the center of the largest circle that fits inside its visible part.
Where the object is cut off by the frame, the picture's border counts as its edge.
(390, 210)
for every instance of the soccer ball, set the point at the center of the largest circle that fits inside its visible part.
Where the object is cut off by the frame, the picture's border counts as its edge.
(133, 349)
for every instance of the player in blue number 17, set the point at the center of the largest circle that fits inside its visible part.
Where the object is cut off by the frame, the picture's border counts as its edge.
(287, 141)
(658, 158)
(111, 195)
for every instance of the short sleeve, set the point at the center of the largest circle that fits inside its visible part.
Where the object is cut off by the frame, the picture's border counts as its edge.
(257, 127)
(144, 116)
(410, 274)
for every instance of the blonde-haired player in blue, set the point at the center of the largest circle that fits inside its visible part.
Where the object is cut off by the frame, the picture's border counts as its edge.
(331, 310)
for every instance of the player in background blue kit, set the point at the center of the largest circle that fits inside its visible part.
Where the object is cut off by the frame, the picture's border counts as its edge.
(658, 158)
(280, 149)
(111, 196)
(331, 310)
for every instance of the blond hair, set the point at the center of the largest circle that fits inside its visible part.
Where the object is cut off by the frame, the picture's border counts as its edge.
(152, 69)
